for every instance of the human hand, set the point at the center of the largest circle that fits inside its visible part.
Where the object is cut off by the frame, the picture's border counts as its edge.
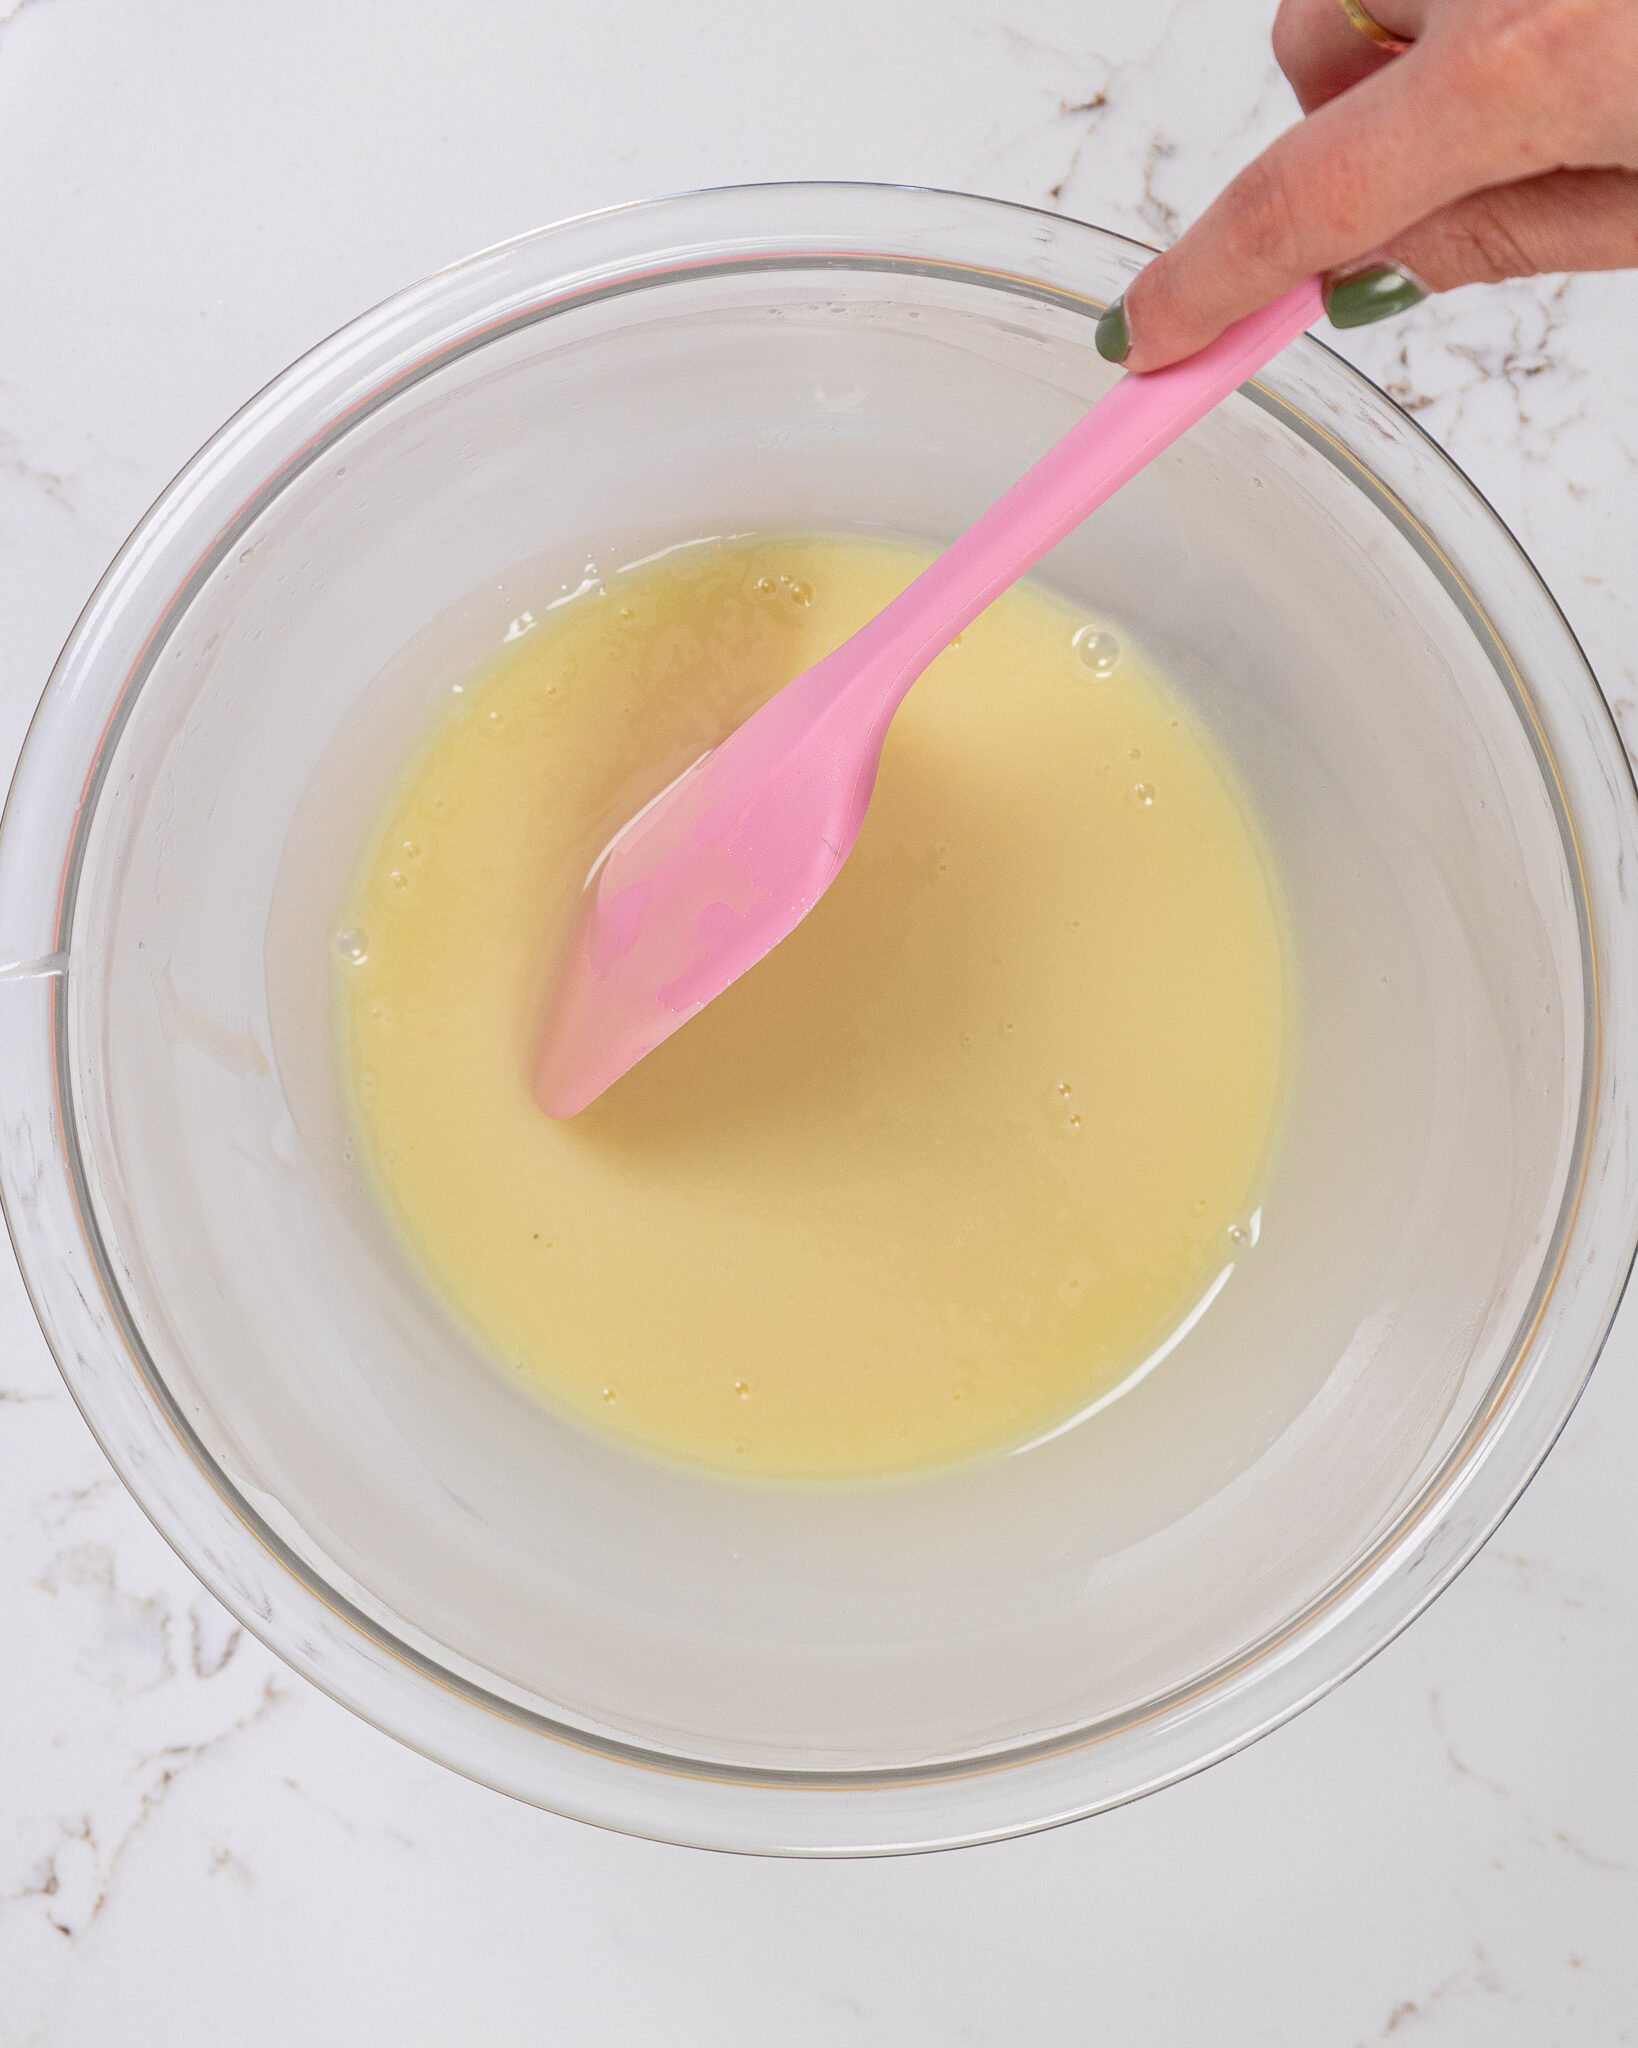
(1503, 141)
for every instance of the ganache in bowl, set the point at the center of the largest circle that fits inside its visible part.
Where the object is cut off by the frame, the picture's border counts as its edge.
(1447, 1225)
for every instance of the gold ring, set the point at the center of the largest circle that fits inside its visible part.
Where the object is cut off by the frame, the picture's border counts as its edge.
(1372, 29)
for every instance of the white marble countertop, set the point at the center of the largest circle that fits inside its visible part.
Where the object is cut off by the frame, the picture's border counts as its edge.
(195, 1846)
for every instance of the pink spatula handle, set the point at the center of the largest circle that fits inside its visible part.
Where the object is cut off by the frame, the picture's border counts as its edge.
(729, 860)
(1127, 428)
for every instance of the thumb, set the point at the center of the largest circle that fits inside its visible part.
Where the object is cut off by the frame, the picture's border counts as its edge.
(1565, 220)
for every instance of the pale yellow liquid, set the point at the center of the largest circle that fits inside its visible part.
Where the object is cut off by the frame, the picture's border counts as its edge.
(942, 1170)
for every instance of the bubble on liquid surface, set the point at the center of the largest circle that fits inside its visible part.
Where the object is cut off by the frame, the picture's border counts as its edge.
(1143, 794)
(523, 623)
(743, 1389)
(353, 945)
(1065, 1117)
(1244, 1235)
(1096, 650)
(801, 593)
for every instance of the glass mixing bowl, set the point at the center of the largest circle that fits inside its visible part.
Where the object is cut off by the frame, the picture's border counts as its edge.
(1445, 1233)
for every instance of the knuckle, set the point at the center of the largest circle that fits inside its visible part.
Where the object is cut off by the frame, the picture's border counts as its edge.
(1289, 37)
(1483, 243)
(1494, 66)
(1264, 217)
(1545, 71)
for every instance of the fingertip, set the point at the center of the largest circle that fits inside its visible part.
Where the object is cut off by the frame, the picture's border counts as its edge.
(1154, 329)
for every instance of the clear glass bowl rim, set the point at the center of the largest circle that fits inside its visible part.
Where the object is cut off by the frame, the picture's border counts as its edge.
(218, 1534)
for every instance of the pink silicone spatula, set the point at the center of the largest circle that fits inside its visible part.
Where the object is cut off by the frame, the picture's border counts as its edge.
(720, 866)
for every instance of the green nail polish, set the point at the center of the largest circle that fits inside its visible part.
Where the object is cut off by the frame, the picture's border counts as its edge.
(1369, 295)
(1114, 342)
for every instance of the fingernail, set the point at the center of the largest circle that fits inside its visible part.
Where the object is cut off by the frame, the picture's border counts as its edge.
(1111, 335)
(1368, 295)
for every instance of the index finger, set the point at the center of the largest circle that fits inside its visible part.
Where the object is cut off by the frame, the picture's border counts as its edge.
(1342, 182)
